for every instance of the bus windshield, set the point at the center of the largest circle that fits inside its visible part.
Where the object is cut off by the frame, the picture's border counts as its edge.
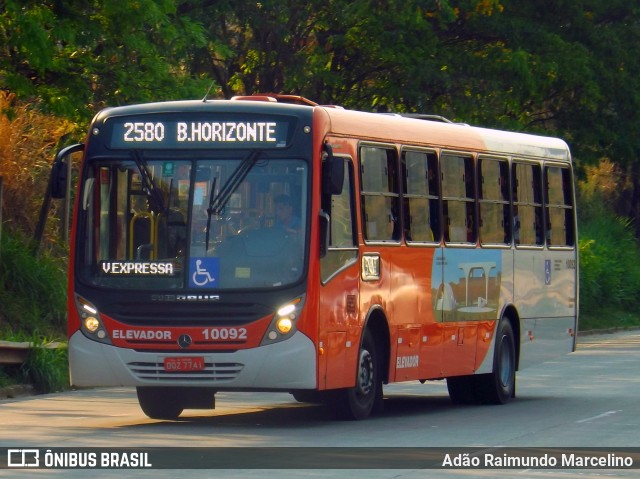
(193, 223)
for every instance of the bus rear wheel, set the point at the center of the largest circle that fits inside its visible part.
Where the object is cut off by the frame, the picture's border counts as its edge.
(496, 387)
(499, 386)
(462, 389)
(360, 401)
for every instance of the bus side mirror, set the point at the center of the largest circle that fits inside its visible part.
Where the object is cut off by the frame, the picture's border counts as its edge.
(333, 173)
(59, 172)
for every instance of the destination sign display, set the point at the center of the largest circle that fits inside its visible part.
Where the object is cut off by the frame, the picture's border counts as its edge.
(180, 134)
(137, 268)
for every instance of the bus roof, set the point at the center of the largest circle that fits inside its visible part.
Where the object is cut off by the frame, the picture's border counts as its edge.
(389, 128)
(197, 106)
(437, 134)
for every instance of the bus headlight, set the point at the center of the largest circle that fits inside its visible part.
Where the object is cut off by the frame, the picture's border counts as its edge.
(284, 325)
(284, 322)
(90, 322)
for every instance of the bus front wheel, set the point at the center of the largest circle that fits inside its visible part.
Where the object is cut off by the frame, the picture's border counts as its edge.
(159, 402)
(360, 401)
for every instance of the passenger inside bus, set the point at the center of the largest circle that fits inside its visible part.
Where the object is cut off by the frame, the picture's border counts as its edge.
(141, 229)
(172, 234)
(285, 218)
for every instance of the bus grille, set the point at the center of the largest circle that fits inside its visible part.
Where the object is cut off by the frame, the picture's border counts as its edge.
(151, 314)
(216, 372)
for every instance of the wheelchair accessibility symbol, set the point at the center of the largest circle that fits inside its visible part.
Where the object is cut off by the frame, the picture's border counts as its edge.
(203, 272)
(547, 272)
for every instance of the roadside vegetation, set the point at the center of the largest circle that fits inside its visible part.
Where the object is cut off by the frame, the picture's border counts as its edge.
(609, 252)
(32, 280)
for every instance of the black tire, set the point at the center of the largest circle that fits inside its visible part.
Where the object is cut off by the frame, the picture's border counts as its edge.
(360, 401)
(311, 397)
(499, 386)
(462, 389)
(160, 402)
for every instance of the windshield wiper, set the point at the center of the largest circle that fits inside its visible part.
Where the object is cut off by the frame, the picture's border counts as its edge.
(154, 194)
(219, 201)
(210, 212)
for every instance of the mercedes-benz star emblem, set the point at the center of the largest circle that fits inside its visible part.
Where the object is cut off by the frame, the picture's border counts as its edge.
(184, 341)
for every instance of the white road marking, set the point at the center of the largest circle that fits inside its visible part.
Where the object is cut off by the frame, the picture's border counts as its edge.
(599, 416)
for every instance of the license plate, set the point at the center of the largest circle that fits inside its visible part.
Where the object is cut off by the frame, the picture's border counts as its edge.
(184, 363)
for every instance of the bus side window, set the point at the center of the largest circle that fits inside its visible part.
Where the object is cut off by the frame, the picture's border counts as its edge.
(379, 194)
(495, 226)
(559, 206)
(527, 204)
(458, 198)
(342, 248)
(421, 196)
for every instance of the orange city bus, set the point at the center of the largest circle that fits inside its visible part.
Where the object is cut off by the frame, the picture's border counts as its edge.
(268, 243)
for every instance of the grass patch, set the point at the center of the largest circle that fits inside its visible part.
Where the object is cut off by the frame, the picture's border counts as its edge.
(47, 369)
(32, 290)
(9, 375)
(606, 319)
(33, 309)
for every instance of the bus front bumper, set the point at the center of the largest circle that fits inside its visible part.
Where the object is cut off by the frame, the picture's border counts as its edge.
(285, 365)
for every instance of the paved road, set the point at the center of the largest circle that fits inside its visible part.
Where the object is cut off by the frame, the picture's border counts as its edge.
(585, 399)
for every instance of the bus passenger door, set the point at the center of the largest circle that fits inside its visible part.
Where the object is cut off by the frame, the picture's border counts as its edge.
(338, 327)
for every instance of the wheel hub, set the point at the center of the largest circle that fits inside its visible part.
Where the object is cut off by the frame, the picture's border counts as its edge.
(365, 373)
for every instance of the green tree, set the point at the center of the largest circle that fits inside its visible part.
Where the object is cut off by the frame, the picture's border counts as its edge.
(75, 57)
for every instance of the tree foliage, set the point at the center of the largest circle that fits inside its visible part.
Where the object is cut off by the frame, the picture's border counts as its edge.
(556, 67)
(75, 57)
(28, 141)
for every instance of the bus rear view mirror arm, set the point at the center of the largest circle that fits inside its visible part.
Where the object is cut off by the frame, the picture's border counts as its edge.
(325, 220)
(60, 170)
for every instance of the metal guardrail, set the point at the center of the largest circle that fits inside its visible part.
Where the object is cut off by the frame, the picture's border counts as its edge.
(16, 352)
